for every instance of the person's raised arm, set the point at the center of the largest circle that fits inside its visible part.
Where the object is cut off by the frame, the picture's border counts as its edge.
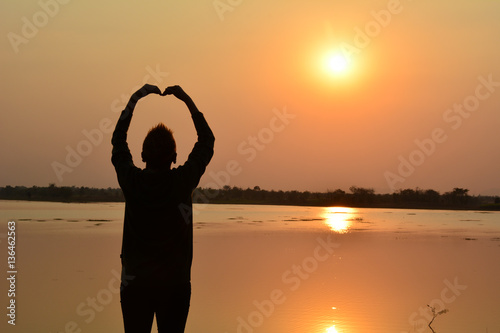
(204, 132)
(126, 116)
(203, 149)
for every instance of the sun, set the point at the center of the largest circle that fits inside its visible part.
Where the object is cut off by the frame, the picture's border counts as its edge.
(336, 63)
(330, 69)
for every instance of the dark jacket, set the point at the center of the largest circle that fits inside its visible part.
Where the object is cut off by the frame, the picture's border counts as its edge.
(158, 226)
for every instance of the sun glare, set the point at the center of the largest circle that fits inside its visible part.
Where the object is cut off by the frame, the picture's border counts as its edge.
(331, 330)
(332, 70)
(336, 63)
(339, 218)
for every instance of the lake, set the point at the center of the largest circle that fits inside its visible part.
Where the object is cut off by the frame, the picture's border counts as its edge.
(267, 269)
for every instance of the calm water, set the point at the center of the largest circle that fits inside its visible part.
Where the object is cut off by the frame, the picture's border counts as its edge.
(337, 219)
(272, 268)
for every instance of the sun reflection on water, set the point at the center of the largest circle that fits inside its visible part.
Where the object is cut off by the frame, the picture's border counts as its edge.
(339, 220)
(331, 330)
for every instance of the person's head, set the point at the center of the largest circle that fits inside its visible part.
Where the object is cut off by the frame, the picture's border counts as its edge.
(158, 148)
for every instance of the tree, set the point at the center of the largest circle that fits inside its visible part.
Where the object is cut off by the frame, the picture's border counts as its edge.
(362, 195)
(458, 196)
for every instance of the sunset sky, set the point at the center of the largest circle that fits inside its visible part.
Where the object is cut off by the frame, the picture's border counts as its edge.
(411, 99)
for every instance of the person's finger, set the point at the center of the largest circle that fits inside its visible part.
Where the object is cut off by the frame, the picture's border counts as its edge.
(168, 91)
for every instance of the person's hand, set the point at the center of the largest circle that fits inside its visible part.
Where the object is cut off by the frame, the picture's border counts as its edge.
(146, 90)
(177, 92)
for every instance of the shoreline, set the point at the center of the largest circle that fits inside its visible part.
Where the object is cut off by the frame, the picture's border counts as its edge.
(491, 207)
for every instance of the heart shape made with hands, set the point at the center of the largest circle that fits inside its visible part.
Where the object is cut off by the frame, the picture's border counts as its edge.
(172, 90)
(176, 91)
(167, 91)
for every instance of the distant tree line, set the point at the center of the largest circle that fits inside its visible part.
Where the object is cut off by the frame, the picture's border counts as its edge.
(62, 194)
(458, 198)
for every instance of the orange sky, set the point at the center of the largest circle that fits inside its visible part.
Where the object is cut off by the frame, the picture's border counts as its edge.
(255, 69)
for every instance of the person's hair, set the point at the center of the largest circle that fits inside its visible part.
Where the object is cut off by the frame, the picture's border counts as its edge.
(158, 147)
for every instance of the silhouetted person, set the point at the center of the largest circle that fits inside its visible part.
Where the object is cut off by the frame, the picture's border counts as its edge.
(157, 246)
